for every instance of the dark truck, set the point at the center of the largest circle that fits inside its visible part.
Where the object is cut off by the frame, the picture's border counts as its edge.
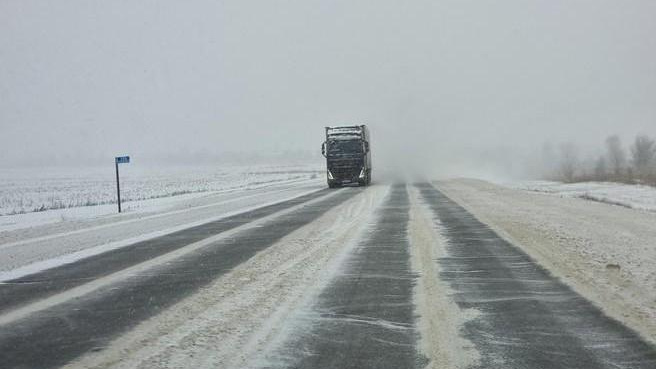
(348, 155)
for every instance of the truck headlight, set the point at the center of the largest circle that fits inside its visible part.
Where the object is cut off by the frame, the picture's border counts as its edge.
(330, 175)
(362, 173)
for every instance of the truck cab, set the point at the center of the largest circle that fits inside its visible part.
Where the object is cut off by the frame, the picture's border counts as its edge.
(347, 150)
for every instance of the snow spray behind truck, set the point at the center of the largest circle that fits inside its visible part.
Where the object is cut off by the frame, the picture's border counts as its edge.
(348, 155)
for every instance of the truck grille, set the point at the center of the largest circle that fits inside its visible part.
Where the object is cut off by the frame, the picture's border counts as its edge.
(345, 169)
(345, 173)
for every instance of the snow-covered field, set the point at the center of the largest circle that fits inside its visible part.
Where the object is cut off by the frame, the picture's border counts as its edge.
(39, 189)
(30, 197)
(630, 196)
(607, 253)
(158, 201)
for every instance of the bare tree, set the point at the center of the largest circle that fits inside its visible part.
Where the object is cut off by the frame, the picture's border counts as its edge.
(643, 153)
(616, 155)
(601, 169)
(569, 159)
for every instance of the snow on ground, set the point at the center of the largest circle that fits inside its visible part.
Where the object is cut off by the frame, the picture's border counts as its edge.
(170, 200)
(33, 249)
(33, 255)
(631, 196)
(29, 190)
(31, 197)
(606, 253)
(439, 319)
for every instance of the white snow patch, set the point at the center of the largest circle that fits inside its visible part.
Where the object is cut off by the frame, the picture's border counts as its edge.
(33, 196)
(631, 196)
(439, 319)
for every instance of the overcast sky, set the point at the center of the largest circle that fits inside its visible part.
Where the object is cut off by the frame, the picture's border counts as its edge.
(433, 79)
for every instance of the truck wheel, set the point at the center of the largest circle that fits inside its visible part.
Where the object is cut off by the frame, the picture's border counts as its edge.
(332, 185)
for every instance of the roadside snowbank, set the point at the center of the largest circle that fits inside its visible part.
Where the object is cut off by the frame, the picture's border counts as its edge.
(606, 253)
(630, 196)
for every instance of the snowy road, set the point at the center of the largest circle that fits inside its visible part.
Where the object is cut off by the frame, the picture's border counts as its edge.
(391, 276)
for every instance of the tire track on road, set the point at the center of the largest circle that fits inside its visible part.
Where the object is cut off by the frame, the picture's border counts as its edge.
(365, 317)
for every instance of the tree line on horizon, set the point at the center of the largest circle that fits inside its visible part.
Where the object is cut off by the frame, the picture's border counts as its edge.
(615, 163)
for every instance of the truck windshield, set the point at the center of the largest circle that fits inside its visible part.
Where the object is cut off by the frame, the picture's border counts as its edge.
(344, 147)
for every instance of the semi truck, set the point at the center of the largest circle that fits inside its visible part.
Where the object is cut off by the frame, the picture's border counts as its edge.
(347, 150)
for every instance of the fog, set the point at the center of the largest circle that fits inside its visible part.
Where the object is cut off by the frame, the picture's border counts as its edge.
(448, 87)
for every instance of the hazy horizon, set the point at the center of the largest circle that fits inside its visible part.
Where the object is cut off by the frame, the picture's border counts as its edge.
(451, 87)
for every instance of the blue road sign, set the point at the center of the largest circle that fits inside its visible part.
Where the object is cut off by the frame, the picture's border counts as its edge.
(122, 159)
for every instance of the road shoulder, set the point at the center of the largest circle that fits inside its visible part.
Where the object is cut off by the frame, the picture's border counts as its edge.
(604, 252)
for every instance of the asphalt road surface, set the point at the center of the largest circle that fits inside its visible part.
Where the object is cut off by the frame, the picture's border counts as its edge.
(528, 318)
(365, 315)
(53, 336)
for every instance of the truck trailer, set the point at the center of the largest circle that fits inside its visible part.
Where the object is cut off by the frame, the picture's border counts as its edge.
(347, 150)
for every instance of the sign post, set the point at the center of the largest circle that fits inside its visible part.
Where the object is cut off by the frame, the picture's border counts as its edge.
(119, 160)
